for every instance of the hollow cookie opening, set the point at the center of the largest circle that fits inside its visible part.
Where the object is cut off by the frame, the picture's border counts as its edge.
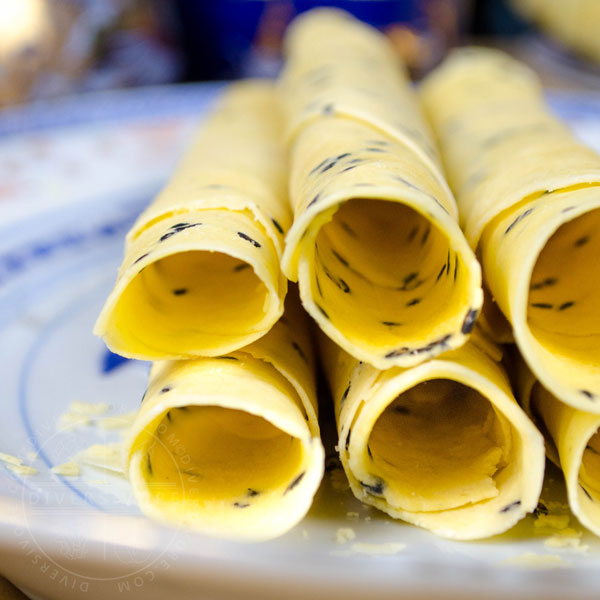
(386, 276)
(214, 459)
(563, 310)
(438, 446)
(190, 301)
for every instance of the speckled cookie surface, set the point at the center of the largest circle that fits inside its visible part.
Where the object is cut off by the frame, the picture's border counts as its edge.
(529, 199)
(572, 443)
(375, 245)
(201, 271)
(442, 445)
(230, 445)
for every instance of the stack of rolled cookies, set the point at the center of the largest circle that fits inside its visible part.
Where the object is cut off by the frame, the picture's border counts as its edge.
(227, 441)
(387, 274)
(227, 438)
(529, 200)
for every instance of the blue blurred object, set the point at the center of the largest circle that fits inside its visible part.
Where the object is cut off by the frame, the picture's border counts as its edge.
(235, 38)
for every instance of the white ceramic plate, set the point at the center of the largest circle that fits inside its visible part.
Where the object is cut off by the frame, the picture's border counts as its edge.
(72, 179)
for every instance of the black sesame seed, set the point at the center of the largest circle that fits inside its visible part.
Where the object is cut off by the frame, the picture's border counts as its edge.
(374, 490)
(321, 164)
(294, 483)
(137, 260)
(425, 236)
(180, 291)
(348, 168)
(413, 232)
(413, 302)
(369, 452)
(455, 266)
(328, 109)
(391, 323)
(322, 310)
(410, 277)
(587, 394)
(582, 241)
(569, 208)
(469, 321)
(313, 201)
(343, 286)
(586, 493)
(545, 283)
(510, 506)
(252, 492)
(277, 225)
(340, 258)
(346, 392)
(149, 464)
(542, 305)
(166, 389)
(566, 305)
(347, 229)
(166, 236)
(403, 410)
(399, 352)
(169, 416)
(518, 219)
(248, 239)
(329, 166)
(241, 504)
(441, 272)
(299, 350)
(227, 358)
(592, 449)
(241, 267)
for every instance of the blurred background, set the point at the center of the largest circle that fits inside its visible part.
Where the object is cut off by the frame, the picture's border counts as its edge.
(51, 48)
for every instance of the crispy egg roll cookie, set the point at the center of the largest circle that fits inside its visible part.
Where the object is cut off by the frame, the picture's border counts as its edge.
(375, 246)
(529, 196)
(572, 443)
(201, 271)
(381, 262)
(442, 445)
(230, 445)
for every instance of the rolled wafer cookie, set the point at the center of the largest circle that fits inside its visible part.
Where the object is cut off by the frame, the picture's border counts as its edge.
(201, 272)
(375, 246)
(443, 445)
(230, 445)
(529, 200)
(572, 443)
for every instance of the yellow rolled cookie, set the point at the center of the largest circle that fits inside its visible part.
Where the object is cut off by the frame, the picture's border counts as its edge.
(572, 443)
(442, 445)
(529, 198)
(375, 246)
(229, 445)
(201, 273)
